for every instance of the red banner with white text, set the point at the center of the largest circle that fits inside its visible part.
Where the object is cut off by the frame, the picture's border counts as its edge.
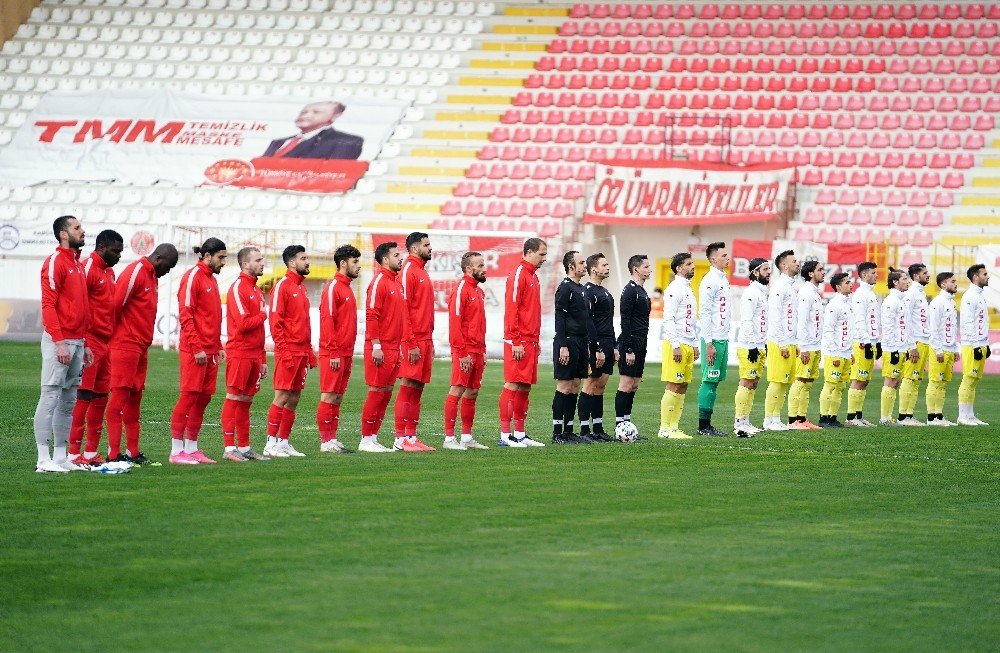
(684, 193)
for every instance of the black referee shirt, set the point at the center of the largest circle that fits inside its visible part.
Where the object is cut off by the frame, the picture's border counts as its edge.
(635, 308)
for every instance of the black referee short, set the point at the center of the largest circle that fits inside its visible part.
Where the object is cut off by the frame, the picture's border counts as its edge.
(578, 363)
(609, 363)
(636, 368)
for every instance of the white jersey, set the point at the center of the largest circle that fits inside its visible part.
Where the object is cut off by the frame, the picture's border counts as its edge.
(943, 323)
(894, 322)
(715, 305)
(809, 318)
(915, 301)
(975, 319)
(837, 329)
(781, 311)
(680, 322)
(865, 313)
(753, 317)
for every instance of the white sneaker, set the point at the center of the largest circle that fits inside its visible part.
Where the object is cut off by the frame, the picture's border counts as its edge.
(287, 447)
(865, 422)
(980, 422)
(332, 446)
(454, 445)
(887, 421)
(472, 444)
(748, 425)
(968, 421)
(939, 422)
(911, 421)
(528, 442)
(51, 466)
(663, 433)
(275, 451)
(774, 424)
(68, 466)
(512, 442)
(372, 446)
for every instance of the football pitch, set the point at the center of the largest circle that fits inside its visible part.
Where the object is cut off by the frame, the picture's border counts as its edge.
(879, 539)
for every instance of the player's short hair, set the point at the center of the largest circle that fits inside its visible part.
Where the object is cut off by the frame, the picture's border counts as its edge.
(974, 270)
(107, 238)
(568, 259)
(838, 279)
(212, 246)
(943, 276)
(291, 252)
(243, 255)
(678, 260)
(593, 259)
(713, 248)
(867, 265)
(808, 268)
(781, 257)
(383, 250)
(61, 224)
(345, 252)
(467, 259)
(894, 277)
(532, 245)
(414, 239)
(635, 261)
(915, 269)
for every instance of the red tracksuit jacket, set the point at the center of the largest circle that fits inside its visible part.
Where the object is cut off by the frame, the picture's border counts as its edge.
(101, 289)
(65, 306)
(467, 318)
(135, 305)
(338, 318)
(200, 311)
(289, 318)
(522, 318)
(419, 295)
(385, 310)
(246, 312)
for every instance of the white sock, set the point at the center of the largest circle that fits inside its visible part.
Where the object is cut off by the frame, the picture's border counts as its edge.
(505, 436)
(228, 449)
(243, 449)
(176, 446)
(466, 437)
(89, 454)
(368, 438)
(451, 438)
(190, 446)
(411, 439)
(59, 453)
(272, 440)
(43, 454)
(519, 435)
(398, 442)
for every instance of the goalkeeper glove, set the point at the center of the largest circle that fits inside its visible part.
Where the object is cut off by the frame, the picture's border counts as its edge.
(878, 350)
(868, 351)
(977, 353)
(894, 358)
(754, 355)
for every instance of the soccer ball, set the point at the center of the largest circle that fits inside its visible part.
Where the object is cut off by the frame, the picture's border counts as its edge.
(626, 432)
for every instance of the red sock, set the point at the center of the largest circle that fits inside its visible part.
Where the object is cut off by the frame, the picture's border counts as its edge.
(76, 426)
(324, 421)
(450, 414)
(468, 415)
(273, 420)
(179, 418)
(228, 419)
(287, 420)
(95, 422)
(116, 408)
(506, 409)
(196, 416)
(369, 413)
(383, 402)
(334, 420)
(520, 410)
(402, 409)
(130, 417)
(413, 414)
(243, 423)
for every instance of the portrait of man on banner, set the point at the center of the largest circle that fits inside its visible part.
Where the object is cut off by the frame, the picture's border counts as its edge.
(317, 139)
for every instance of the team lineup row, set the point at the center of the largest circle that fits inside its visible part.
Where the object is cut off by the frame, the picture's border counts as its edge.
(98, 329)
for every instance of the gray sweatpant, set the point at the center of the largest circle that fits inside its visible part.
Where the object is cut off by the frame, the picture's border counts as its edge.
(54, 412)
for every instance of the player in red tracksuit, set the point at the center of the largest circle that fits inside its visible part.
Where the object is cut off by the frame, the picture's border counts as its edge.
(418, 342)
(199, 351)
(246, 360)
(92, 395)
(135, 305)
(65, 317)
(467, 336)
(522, 325)
(385, 323)
(338, 329)
(293, 353)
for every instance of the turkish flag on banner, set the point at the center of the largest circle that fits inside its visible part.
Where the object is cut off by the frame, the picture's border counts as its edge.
(836, 258)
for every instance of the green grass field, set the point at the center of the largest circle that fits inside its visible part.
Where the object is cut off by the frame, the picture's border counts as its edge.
(876, 540)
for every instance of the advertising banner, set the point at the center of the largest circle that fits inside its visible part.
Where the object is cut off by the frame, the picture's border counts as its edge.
(836, 258)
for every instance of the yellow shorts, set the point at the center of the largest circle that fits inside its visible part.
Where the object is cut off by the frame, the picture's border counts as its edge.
(779, 369)
(970, 366)
(750, 371)
(890, 370)
(674, 372)
(808, 370)
(861, 367)
(836, 369)
(941, 372)
(915, 371)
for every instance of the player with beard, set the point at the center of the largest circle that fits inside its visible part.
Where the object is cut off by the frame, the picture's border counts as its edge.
(943, 326)
(750, 341)
(635, 307)
(679, 334)
(418, 342)
(716, 308)
(867, 348)
(601, 305)
(836, 349)
(246, 359)
(293, 353)
(974, 334)
(467, 336)
(782, 351)
(915, 303)
(338, 329)
(200, 351)
(809, 335)
(896, 341)
(92, 395)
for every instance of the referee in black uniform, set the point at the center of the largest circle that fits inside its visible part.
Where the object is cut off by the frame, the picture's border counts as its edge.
(601, 304)
(571, 349)
(635, 307)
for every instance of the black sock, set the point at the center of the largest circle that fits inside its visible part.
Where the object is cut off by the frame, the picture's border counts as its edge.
(703, 423)
(621, 406)
(558, 412)
(569, 412)
(596, 413)
(585, 408)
